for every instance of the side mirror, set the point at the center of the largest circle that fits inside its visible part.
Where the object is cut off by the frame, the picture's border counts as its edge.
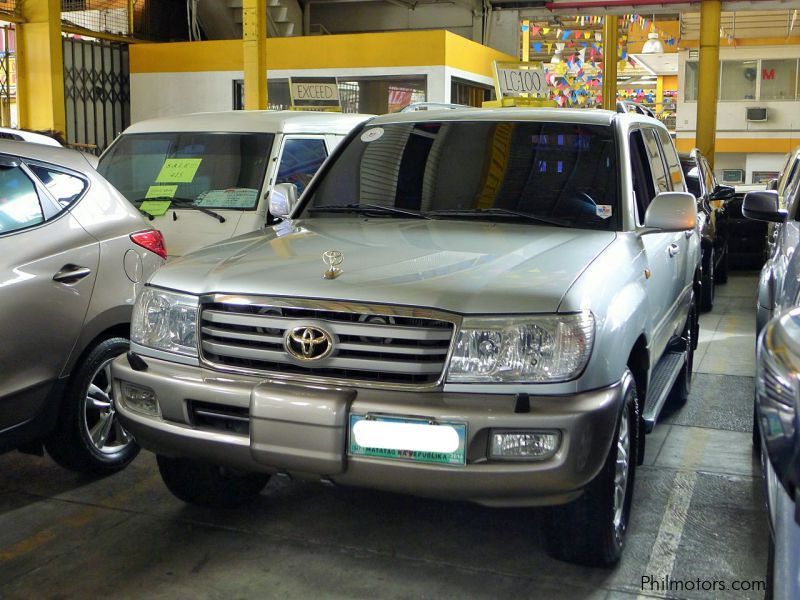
(282, 199)
(671, 211)
(763, 206)
(722, 192)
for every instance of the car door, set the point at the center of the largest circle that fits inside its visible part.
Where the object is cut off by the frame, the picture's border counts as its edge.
(688, 241)
(47, 272)
(658, 248)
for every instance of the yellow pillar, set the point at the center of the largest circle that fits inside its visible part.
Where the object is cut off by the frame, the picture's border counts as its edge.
(254, 35)
(526, 41)
(708, 78)
(40, 67)
(660, 94)
(610, 57)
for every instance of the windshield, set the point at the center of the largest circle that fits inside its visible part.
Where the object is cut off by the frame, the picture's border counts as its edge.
(208, 170)
(552, 173)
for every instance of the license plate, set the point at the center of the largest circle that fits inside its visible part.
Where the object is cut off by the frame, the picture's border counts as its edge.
(408, 438)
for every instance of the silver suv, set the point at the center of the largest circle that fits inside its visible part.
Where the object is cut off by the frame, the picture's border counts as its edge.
(480, 305)
(73, 256)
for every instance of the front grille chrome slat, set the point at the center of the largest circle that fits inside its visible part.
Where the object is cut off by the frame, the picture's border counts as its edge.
(360, 364)
(375, 346)
(362, 329)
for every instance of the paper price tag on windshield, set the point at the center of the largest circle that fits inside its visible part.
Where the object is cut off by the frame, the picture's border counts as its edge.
(178, 170)
(230, 198)
(161, 191)
(155, 207)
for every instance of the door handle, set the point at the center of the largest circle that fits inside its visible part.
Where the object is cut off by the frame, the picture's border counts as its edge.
(70, 274)
(673, 249)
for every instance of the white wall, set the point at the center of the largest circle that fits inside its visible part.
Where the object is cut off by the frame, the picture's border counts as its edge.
(784, 116)
(167, 94)
(762, 162)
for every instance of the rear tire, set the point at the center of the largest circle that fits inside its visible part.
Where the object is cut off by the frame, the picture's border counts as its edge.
(88, 437)
(591, 530)
(707, 289)
(207, 485)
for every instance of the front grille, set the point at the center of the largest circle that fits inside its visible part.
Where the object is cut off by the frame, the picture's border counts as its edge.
(384, 345)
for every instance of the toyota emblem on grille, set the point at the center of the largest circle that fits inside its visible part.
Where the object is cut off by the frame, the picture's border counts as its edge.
(308, 343)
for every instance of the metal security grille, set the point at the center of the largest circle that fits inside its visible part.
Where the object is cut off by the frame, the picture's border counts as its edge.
(96, 92)
(106, 16)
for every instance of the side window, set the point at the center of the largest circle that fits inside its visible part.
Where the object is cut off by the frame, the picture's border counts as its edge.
(301, 158)
(660, 177)
(673, 162)
(19, 202)
(643, 188)
(65, 188)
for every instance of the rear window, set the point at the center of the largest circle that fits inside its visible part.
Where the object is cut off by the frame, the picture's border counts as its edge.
(561, 172)
(211, 170)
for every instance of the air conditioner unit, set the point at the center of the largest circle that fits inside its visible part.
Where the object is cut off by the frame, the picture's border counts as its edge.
(756, 114)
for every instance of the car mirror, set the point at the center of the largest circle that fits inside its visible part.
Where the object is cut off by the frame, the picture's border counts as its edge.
(671, 211)
(763, 206)
(772, 184)
(282, 199)
(722, 192)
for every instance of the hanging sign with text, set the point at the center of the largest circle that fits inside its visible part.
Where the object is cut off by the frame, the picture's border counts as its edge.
(310, 93)
(520, 82)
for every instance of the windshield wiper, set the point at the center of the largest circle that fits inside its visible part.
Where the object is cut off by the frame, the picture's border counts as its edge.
(370, 208)
(500, 212)
(183, 203)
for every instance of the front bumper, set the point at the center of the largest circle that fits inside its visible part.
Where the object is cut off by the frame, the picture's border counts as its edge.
(302, 430)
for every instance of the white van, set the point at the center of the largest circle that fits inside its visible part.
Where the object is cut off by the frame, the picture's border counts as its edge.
(204, 177)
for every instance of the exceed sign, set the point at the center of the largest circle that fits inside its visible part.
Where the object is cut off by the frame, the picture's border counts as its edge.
(314, 92)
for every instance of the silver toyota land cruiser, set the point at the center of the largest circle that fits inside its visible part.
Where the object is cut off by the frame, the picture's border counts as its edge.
(477, 305)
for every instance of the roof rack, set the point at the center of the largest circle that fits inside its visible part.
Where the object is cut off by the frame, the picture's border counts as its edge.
(415, 106)
(626, 106)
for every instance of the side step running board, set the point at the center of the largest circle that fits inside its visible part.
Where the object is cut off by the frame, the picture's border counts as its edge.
(665, 374)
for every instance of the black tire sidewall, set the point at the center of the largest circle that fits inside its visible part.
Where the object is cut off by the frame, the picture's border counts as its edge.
(70, 444)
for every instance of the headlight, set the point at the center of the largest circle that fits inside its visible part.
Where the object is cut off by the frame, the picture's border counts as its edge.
(165, 321)
(522, 349)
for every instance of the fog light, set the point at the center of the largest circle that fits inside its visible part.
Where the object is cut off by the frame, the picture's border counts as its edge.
(139, 399)
(524, 445)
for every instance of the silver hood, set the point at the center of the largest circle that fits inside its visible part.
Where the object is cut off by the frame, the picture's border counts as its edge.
(460, 266)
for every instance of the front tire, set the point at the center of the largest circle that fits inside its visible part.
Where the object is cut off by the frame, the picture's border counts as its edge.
(591, 530)
(89, 437)
(209, 486)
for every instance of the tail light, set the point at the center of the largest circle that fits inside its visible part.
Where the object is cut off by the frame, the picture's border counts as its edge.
(151, 239)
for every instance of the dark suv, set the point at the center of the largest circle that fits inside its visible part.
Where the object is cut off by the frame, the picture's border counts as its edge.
(711, 198)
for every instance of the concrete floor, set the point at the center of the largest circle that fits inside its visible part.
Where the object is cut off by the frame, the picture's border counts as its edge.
(697, 515)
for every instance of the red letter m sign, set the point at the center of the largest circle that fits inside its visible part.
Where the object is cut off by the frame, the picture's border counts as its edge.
(767, 74)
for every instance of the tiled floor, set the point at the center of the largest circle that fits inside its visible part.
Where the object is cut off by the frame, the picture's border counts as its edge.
(698, 519)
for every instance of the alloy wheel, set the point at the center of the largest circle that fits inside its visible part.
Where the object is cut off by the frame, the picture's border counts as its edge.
(622, 469)
(100, 421)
